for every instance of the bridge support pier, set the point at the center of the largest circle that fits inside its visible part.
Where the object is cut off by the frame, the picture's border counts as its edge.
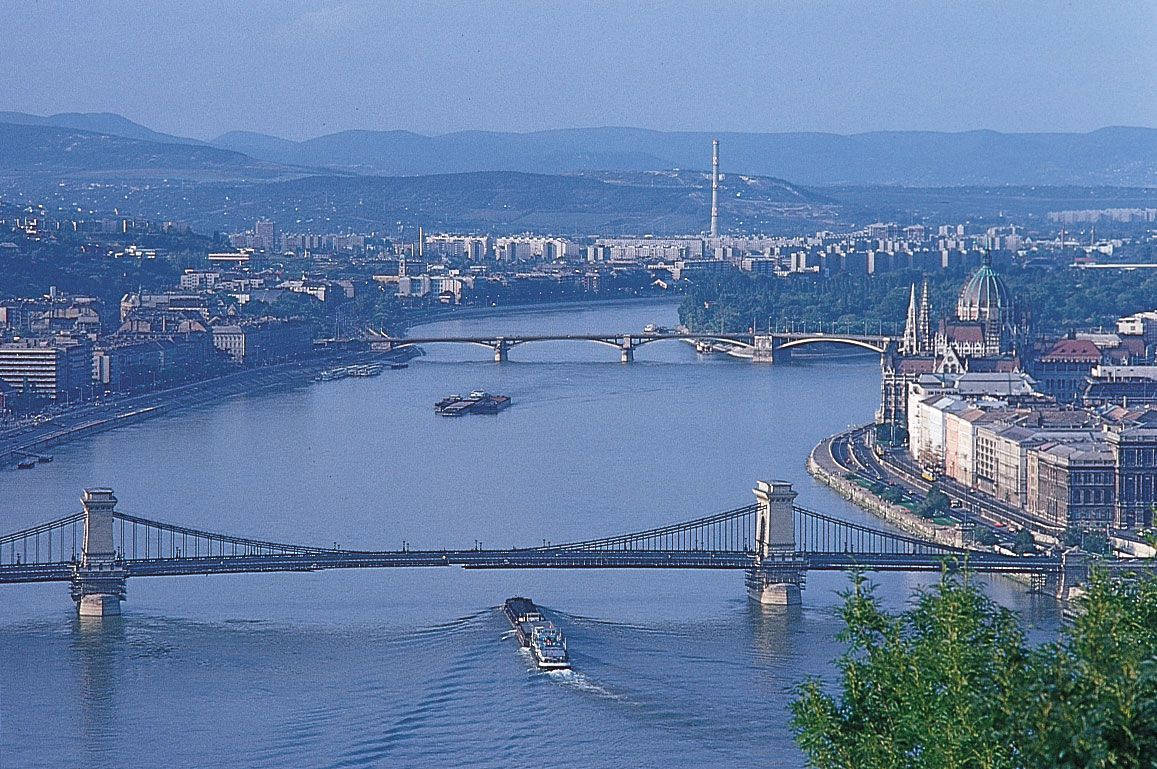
(777, 576)
(764, 350)
(1066, 583)
(627, 354)
(98, 583)
(500, 350)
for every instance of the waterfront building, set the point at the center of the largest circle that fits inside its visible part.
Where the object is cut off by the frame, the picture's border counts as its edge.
(934, 396)
(647, 250)
(530, 247)
(982, 337)
(1133, 441)
(471, 247)
(1072, 484)
(58, 368)
(1063, 371)
(988, 321)
(167, 301)
(132, 361)
(264, 340)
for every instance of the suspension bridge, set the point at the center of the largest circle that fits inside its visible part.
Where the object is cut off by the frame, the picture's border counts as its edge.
(774, 541)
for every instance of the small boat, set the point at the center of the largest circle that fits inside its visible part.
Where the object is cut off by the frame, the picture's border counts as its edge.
(396, 366)
(26, 464)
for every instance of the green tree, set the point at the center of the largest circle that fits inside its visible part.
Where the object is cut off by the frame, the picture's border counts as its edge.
(893, 494)
(951, 683)
(1023, 542)
(987, 537)
(935, 503)
(926, 688)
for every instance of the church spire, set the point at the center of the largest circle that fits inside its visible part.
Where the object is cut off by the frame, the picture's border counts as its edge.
(910, 345)
(924, 330)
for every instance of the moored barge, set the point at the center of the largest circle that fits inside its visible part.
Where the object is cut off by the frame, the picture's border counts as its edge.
(477, 402)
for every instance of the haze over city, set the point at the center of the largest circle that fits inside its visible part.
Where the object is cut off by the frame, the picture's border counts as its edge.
(299, 69)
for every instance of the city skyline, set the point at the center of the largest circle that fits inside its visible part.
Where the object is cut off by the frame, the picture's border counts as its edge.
(309, 68)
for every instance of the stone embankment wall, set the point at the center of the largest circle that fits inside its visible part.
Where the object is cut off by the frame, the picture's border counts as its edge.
(896, 515)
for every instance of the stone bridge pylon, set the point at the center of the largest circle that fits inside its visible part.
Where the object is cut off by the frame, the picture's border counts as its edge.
(777, 574)
(98, 585)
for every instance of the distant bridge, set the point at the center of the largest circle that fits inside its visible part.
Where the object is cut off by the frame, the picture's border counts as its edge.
(775, 346)
(774, 541)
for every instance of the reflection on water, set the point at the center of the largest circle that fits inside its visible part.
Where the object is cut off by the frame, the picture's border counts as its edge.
(409, 668)
(98, 644)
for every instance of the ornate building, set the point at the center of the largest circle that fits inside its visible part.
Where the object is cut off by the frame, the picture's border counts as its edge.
(988, 322)
(984, 335)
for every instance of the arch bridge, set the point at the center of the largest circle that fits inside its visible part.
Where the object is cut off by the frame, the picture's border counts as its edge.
(773, 541)
(773, 347)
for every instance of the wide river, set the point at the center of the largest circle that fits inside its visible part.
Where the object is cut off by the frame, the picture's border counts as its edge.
(414, 667)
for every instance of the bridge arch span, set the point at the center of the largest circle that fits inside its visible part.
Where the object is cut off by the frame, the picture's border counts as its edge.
(738, 341)
(612, 343)
(817, 339)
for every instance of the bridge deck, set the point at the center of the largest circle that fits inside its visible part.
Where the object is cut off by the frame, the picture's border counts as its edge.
(534, 559)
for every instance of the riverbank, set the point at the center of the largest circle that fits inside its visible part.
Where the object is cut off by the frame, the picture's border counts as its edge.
(31, 440)
(825, 468)
(106, 414)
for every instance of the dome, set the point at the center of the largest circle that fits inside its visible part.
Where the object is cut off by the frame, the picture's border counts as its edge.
(984, 297)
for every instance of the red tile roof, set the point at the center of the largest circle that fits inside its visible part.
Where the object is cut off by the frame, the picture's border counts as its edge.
(1073, 351)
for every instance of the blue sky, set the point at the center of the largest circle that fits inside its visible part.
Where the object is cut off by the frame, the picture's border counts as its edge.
(300, 68)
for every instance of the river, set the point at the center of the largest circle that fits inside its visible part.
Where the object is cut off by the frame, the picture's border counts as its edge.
(412, 668)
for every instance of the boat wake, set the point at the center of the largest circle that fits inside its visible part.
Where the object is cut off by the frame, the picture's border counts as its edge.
(582, 683)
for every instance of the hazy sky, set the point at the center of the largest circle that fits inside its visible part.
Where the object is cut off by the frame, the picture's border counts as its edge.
(299, 68)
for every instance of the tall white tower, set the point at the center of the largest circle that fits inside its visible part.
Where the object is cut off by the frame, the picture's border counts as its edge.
(714, 188)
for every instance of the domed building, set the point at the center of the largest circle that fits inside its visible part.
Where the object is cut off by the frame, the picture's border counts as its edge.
(984, 335)
(988, 322)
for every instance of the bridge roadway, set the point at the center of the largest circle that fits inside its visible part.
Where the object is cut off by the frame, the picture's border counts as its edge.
(760, 347)
(527, 559)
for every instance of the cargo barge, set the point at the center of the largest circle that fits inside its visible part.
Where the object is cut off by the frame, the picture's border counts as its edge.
(477, 402)
(546, 642)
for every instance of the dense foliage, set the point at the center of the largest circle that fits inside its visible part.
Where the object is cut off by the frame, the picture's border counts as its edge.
(1058, 300)
(952, 683)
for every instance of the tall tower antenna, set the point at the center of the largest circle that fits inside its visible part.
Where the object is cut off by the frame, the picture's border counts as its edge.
(714, 188)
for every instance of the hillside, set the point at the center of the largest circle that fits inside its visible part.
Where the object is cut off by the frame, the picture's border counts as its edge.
(97, 122)
(1115, 156)
(38, 149)
(492, 201)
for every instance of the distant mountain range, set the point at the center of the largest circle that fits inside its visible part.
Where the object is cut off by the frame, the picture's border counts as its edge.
(1114, 156)
(1110, 156)
(605, 180)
